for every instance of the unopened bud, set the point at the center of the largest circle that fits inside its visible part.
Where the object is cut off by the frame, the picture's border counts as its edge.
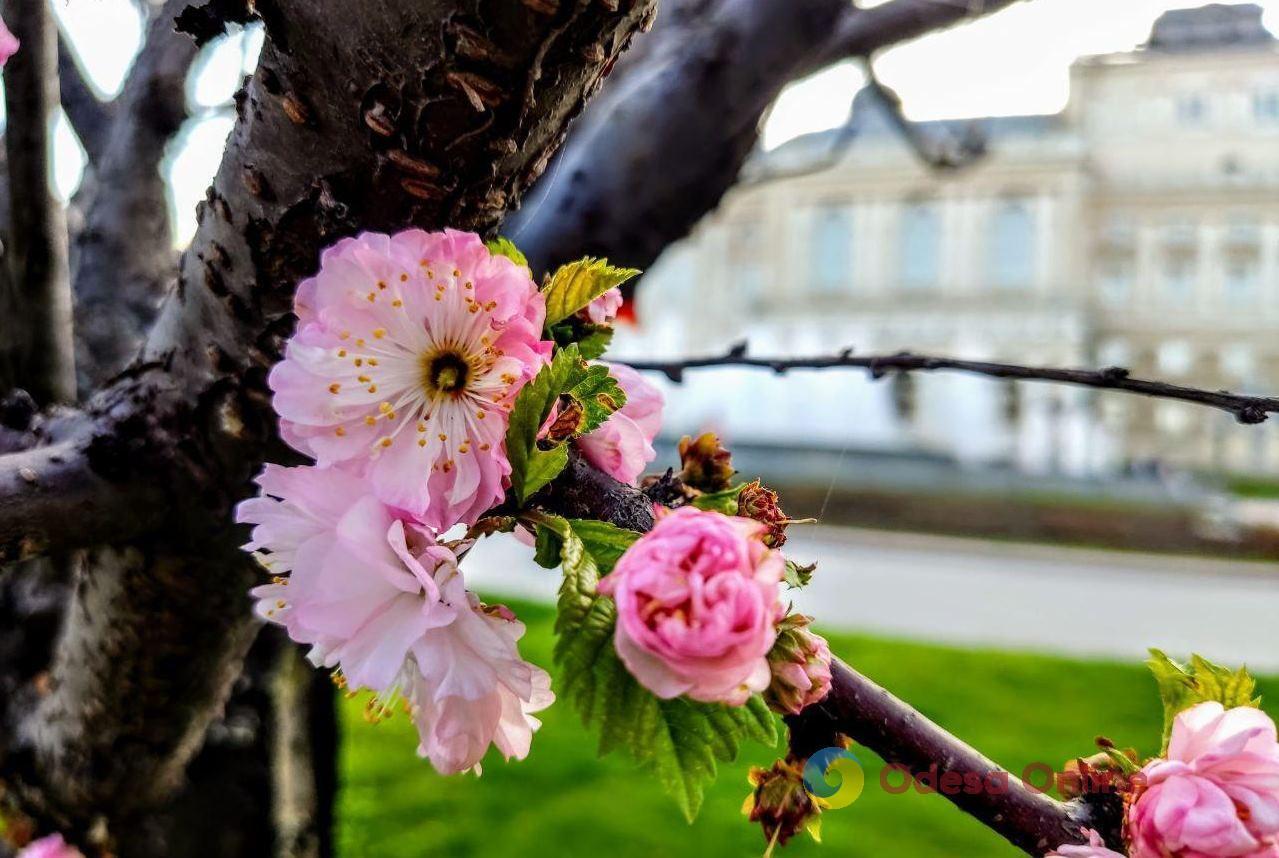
(800, 665)
(707, 465)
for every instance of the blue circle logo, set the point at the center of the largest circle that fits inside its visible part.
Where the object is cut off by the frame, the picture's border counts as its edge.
(835, 776)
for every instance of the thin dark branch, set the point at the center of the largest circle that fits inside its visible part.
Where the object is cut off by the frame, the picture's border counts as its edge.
(89, 115)
(866, 713)
(939, 149)
(37, 320)
(861, 32)
(1246, 409)
(860, 709)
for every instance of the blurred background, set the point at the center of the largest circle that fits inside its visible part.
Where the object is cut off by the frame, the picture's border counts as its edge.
(998, 554)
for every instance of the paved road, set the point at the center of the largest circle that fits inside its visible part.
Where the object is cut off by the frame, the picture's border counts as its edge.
(1031, 597)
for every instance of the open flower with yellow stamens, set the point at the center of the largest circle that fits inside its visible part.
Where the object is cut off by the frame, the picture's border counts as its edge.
(409, 352)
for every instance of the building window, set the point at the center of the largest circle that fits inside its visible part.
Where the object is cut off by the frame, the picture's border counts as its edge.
(920, 246)
(1175, 357)
(745, 262)
(1243, 273)
(1192, 109)
(1265, 107)
(1180, 264)
(1012, 245)
(1116, 276)
(832, 249)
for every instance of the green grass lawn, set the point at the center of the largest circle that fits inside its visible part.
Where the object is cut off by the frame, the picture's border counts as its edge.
(564, 801)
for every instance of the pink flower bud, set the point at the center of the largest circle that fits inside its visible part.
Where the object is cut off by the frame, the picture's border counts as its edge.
(624, 444)
(800, 664)
(697, 601)
(8, 44)
(603, 310)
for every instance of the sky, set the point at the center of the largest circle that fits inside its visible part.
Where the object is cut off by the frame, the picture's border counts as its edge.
(1014, 61)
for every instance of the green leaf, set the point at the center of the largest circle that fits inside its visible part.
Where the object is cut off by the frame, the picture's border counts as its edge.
(532, 467)
(681, 740)
(798, 576)
(722, 501)
(503, 246)
(1182, 686)
(579, 283)
(598, 393)
(595, 341)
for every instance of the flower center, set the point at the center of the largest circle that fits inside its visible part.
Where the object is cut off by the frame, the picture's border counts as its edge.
(446, 372)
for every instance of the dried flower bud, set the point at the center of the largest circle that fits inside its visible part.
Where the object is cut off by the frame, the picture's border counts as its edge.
(565, 421)
(760, 503)
(780, 803)
(800, 665)
(707, 465)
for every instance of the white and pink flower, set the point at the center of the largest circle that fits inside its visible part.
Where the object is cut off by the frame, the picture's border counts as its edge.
(52, 846)
(409, 352)
(623, 446)
(604, 309)
(9, 43)
(1095, 848)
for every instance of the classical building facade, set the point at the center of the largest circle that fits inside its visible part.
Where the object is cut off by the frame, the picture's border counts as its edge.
(1138, 227)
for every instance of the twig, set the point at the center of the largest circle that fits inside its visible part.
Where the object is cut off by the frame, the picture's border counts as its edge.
(860, 709)
(1246, 409)
(38, 324)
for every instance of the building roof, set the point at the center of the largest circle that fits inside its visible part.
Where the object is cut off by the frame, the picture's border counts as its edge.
(1217, 25)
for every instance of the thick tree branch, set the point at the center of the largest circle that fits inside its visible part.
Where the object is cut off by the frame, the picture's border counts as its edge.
(90, 116)
(415, 112)
(124, 257)
(1246, 409)
(36, 323)
(670, 137)
(860, 709)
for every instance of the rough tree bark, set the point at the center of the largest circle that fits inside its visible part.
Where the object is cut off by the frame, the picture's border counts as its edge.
(412, 113)
(35, 325)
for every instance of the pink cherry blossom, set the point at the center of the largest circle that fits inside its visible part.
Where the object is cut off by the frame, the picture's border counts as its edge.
(1095, 848)
(1216, 794)
(624, 444)
(603, 310)
(351, 579)
(52, 846)
(697, 599)
(471, 688)
(409, 351)
(377, 597)
(9, 44)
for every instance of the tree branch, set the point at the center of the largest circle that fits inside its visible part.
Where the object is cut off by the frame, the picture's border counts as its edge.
(861, 32)
(90, 117)
(866, 713)
(51, 500)
(37, 319)
(671, 136)
(860, 709)
(1246, 409)
(124, 257)
(939, 150)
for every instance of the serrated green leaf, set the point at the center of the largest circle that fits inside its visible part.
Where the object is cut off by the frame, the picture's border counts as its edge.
(599, 394)
(722, 501)
(532, 467)
(595, 342)
(577, 284)
(681, 740)
(1182, 686)
(797, 575)
(503, 246)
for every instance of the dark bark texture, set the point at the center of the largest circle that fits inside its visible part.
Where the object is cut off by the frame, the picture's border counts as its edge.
(411, 113)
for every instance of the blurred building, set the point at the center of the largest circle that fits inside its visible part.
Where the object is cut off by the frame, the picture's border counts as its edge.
(1139, 227)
